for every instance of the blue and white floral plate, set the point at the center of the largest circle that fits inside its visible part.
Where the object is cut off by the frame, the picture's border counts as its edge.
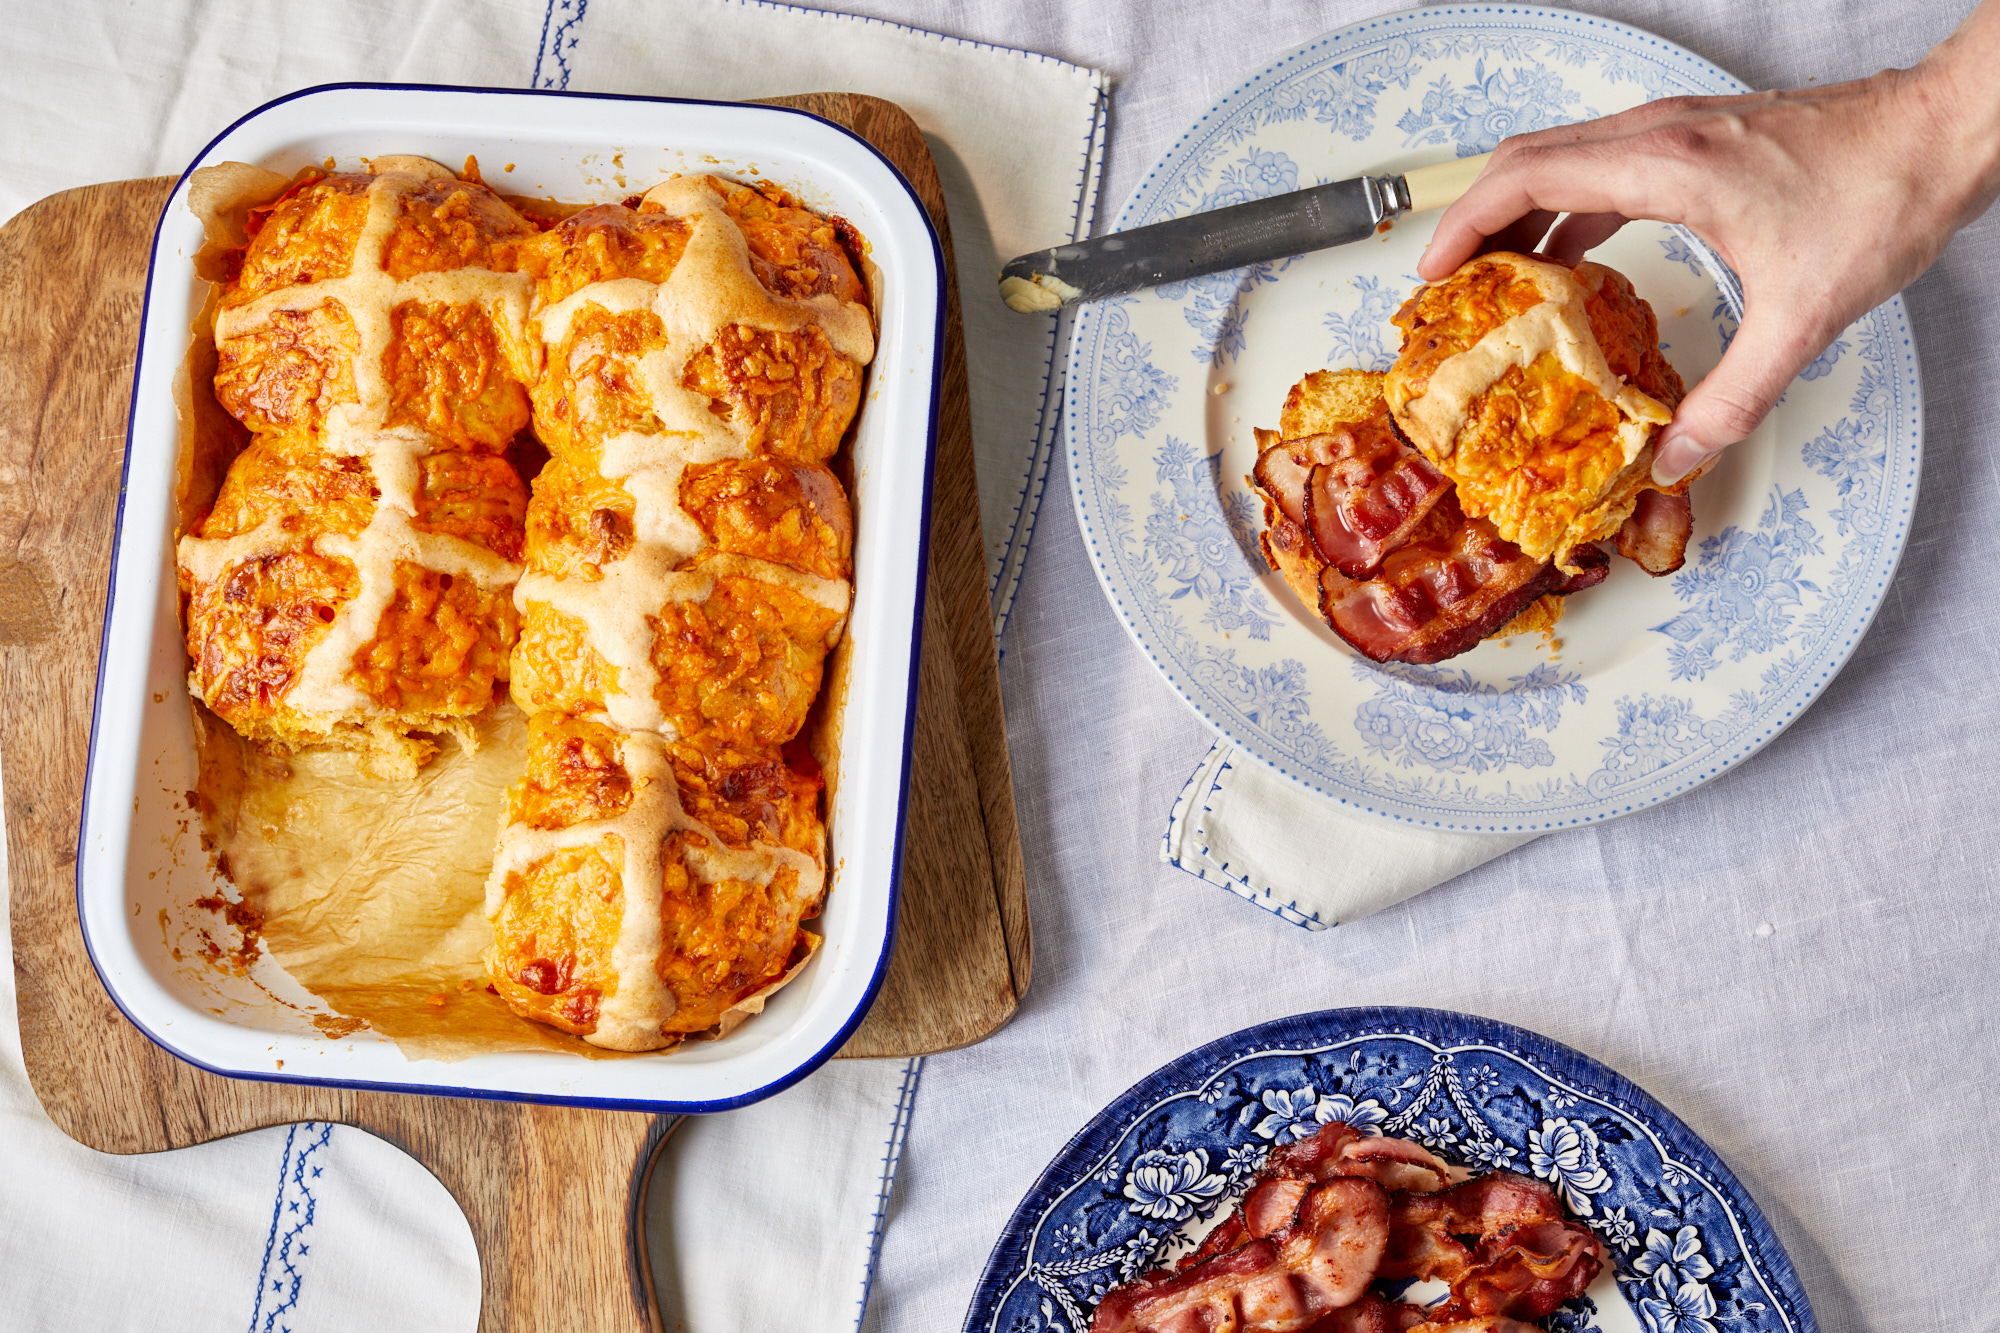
(1658, 684)
(1146, 1179)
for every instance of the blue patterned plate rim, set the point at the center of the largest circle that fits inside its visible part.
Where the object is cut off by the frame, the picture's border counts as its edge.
(1444, 1033)
(1424, 19)
(1699, 748)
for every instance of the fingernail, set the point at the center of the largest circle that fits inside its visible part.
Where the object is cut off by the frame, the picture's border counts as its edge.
(1676, 455)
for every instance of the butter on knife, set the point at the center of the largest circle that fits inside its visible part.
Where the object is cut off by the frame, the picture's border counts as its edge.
(1233, 237)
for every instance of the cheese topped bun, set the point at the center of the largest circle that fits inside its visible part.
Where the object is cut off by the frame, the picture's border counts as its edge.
(1538, 390)
(353, 583)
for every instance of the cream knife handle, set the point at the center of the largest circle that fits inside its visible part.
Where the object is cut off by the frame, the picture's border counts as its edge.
(1442, 183)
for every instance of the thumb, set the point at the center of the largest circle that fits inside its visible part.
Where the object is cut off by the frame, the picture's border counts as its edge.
(1728, 403)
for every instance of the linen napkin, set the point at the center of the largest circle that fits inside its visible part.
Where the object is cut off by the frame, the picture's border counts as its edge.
(102, 91)
(1302, 857)
(772, 1218)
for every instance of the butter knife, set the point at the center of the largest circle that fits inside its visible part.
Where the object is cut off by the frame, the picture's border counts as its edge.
(1226, 238)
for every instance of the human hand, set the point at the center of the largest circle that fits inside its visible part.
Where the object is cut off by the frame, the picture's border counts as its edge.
(1825, 202)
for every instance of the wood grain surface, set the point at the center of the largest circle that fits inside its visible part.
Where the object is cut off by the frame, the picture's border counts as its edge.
(553, 1194)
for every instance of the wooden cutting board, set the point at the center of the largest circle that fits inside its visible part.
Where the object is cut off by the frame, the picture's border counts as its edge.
(553, 1193)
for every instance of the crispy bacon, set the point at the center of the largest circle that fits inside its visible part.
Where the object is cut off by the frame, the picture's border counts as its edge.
(1367, 496)
(1398, 1165)
(1404, 575)
(1453, 584)
(1592, 568)
(1229, 1234)
(1372, 1314)
(1312, 1157)
(1497, 1200)
(1527, 1272)
(1341, 1150)
(1656, 536)
(1291, 1170)
(1196, 1299)
(1356, 493)
(1326, 1216)
(1284, 469)
(1424, 1229)
(1270, 1206)
(1276, 1191)
(1417, 1251)
(1322, 1260)
(1529, 1258)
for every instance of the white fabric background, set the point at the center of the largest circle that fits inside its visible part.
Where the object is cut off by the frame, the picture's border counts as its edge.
(772, 1217)
(1797, 958)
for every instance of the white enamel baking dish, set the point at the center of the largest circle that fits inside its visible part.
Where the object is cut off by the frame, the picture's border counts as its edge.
(140, 865)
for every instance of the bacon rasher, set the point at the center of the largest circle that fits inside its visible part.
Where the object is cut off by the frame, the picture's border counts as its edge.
(1372, 1314)
(1451, 585)
(1328, 1215)
(1291, 1171)
(1655, 538)
(1529, 1258)
(1357, 491)
(1341, 1150)
(1403, 574)
(1321, 1260)
(1298, 1253)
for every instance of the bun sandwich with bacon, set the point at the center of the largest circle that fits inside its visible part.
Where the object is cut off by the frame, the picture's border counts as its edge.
(1461, 495)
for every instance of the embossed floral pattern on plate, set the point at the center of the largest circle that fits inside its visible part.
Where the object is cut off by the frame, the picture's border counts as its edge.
(1657, 684)
(1140, 1185)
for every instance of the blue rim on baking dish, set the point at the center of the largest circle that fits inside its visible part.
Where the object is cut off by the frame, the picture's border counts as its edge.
(1660, 685)
(214, 1023)
(1133, 1189)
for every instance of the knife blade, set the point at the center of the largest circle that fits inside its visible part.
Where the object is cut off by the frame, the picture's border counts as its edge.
(1228, 238)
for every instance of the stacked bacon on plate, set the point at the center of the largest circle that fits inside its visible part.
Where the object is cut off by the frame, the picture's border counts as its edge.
(1329, 1217)
(1459, 495)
